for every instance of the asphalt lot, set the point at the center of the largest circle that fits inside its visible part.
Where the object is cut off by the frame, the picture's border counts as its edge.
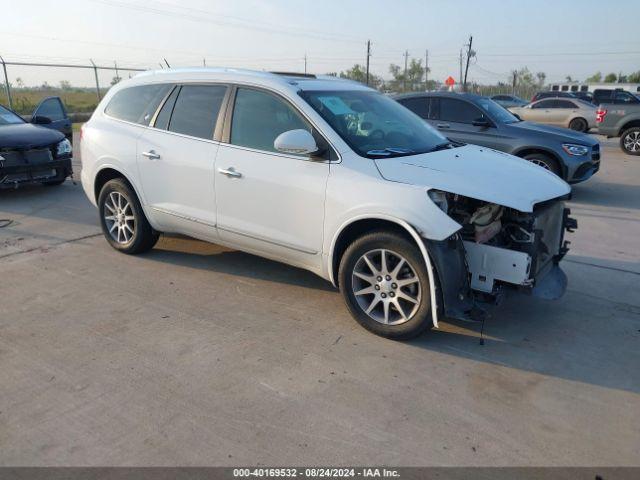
(196, 355)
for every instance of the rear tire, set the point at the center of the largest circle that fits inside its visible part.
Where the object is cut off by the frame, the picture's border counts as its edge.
(544, 161)
(391, 299)
(122, 219)
(579, 125)
(630, 141)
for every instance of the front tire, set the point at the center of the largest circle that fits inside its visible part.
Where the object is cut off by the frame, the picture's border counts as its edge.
(384, 281)
(544, 161)
(630, 141)
(122, 219)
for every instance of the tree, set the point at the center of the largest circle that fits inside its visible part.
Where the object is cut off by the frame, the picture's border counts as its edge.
(358, 73)
(541, 76)
(413, 79)
(19, 82)
(610, 78)
(65, 85)
(634, 77)
(569, 79)
(115, 80)
(595, 78)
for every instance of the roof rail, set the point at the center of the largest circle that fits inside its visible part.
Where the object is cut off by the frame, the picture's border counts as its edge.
(295, 74)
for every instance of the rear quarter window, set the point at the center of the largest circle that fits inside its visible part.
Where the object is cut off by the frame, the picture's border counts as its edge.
(137, 104)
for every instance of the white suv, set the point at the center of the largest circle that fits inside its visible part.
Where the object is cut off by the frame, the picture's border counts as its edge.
(327, 175)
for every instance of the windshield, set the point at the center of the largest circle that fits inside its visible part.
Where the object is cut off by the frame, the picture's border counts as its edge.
(7, 117)
(374, 125)
(497, 112)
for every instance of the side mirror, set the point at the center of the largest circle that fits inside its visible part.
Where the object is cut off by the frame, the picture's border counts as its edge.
(40, 120)
(481, 122)
(297, 142)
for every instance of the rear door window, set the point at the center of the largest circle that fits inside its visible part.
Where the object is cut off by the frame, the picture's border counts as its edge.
(137, 104)
(418, 105)
(164, 115)
(52, 109)
(196, 110)
(453, 110)
(260, 117)
(564, 104)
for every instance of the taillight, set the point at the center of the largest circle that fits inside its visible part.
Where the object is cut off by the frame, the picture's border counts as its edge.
(600, 114)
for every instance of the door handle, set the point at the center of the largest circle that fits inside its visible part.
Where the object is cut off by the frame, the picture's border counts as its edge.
(151, 155)
(443, 125)
(230, 172)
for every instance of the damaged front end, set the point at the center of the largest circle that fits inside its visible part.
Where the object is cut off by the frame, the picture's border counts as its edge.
(496, 249)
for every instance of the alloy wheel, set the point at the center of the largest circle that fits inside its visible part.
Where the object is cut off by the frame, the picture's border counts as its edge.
(119, 218)
(632, 142)
(386, 287)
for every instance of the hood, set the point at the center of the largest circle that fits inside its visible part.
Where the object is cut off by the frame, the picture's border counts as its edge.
(560, 134)
(479, 173)
(26, 136)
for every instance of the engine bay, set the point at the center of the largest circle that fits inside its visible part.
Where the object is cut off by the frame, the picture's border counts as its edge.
(504, 246)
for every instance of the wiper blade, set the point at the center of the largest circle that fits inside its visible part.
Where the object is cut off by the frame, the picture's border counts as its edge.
(442, 146)
(390, 152)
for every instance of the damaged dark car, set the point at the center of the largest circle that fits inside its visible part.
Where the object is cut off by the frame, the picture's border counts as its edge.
(30, 153)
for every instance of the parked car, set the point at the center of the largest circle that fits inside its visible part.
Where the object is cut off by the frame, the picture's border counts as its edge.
(31, 153)
(509, 101)
(615, 97)
(621, 120)
(561, 112)
(552, 94)
(469, 118)
(51, 113)
(330, 176)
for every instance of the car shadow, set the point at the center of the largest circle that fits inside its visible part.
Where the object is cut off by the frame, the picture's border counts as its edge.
(570, 338)
(196, 254)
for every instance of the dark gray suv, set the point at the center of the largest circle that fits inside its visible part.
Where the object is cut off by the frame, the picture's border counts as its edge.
(478, 120)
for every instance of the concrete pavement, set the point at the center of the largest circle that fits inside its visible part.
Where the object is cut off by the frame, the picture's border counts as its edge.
(197, 355)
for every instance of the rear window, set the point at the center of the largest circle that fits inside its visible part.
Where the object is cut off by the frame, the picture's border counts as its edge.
(137, 104)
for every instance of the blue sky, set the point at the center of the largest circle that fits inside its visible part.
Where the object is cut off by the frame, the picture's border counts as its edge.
(558, 37)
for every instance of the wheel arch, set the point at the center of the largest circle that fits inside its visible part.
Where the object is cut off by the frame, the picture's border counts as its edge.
(357, 227)
(107, 173)
(524, 151)
(629, 124)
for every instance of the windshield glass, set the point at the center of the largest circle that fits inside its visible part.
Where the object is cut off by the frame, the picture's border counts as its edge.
(497, 112)
(7, 117)
(374, 125)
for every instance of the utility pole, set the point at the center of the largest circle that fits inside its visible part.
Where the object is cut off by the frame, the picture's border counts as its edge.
(305, 63)
(514, 82)
(426, 70)
(368, 55)
(406, 59)
(466, 70)
(204, 62)
(460, 78)
(115, 64)
(7, 87)
(95, 73)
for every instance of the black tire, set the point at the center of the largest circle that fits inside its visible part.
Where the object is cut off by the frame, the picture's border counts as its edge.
(420, 319)
(544, 161)
(629, 141)
(579, 125)
(143, 237)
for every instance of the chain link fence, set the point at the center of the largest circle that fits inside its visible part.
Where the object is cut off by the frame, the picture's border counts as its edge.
(24, 99)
